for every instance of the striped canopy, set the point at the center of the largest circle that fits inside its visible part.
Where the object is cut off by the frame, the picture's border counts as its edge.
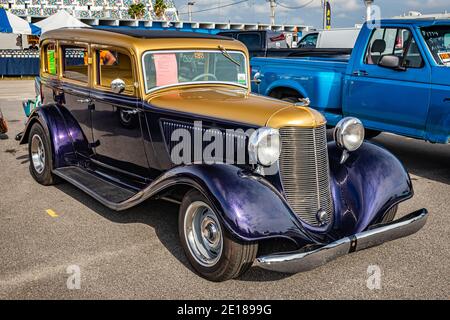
(10, 23)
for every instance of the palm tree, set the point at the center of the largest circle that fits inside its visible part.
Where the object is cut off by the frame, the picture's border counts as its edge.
(159, 8)
(136, 10)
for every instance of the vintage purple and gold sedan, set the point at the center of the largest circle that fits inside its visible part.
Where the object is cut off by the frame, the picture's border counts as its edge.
(131, 115)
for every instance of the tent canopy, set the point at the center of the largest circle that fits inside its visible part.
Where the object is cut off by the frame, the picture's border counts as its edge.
(10, 23)
(61, 19)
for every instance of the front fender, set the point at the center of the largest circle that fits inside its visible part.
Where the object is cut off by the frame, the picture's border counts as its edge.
(369, 183)
(249, 206)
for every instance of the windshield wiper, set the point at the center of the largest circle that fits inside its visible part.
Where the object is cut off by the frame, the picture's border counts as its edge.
(228, 56)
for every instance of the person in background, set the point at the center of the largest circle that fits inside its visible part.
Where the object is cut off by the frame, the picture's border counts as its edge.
(3, 124)
(33, 46)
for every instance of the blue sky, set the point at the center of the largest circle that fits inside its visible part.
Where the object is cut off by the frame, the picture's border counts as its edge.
(345, 12)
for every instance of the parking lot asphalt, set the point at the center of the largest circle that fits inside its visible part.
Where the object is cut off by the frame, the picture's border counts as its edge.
(136, 253)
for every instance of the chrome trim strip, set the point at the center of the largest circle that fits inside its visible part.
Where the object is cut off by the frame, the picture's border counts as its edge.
(299, 261)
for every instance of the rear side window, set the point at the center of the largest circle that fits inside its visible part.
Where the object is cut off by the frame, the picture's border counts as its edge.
(113, 64)
(394, 41)
(75, 63)
(251, 40)
(50, 59)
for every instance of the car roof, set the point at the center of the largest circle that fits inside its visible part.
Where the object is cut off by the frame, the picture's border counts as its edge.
(420, 22)
(161, 34)
(139, 39)
(142, 33)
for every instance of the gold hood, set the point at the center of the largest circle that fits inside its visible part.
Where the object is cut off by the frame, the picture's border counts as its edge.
(235, 104)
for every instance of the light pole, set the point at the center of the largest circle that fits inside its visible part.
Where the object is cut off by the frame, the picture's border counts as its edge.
(273, 4)
(190, 4)
(368, 9)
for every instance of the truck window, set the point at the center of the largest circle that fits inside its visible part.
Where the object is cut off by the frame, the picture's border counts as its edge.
(111, 65)
(394, 41)
(75, 63)
(50, 56)
(251, 40)
(309, 41)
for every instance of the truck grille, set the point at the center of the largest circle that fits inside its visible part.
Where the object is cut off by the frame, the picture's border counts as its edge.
(305, 173)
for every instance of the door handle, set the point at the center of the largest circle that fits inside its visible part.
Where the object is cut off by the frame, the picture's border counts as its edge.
(84, 100)
(360, 73)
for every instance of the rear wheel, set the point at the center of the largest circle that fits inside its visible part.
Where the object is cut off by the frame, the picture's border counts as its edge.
(212, 251)
(40, 156)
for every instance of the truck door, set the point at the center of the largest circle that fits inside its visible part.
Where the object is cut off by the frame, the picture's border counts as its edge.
(254, 42)
(387, 99)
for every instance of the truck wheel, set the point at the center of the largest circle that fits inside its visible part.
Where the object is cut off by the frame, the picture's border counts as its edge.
(370, 134)
(210, 249)
(40, 156)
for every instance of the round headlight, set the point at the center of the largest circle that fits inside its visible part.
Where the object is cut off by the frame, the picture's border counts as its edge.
(349, 134)
(264, 146)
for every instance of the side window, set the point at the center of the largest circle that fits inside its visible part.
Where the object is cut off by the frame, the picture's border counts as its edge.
(309, 41)
(50, 56)
(75, 63)
(394, 41)
(251, 40)
(112, 65)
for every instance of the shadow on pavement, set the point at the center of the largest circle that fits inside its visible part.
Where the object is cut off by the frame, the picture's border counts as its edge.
(423, 159)
(162, 216)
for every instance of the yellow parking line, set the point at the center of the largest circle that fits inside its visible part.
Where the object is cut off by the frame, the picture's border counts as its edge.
(51, 213)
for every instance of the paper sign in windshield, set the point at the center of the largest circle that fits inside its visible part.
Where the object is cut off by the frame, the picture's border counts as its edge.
(445, 58)
(166, 69)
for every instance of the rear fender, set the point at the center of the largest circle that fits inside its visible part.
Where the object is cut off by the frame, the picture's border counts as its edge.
(63, 141)
(286, 84)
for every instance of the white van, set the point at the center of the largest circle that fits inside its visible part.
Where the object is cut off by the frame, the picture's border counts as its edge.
(330, 39)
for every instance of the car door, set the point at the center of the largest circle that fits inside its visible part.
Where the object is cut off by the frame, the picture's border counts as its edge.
(74, 93)
(387, 99)
(116, 117)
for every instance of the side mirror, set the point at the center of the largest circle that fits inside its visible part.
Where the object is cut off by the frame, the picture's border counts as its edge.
(117, 85)
(392, 62)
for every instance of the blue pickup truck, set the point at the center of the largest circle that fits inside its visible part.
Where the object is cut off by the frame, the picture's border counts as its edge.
(397, 79)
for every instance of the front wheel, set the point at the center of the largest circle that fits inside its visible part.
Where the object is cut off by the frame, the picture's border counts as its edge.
(210, 249)
(40, 156)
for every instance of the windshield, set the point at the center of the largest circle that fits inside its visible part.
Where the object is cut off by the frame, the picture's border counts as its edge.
(168, 68)
(438, 41)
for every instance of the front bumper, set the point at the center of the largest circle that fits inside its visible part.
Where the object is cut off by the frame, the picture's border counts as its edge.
(304, 260)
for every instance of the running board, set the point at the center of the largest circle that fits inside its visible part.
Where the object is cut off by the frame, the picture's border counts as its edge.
(110, 194)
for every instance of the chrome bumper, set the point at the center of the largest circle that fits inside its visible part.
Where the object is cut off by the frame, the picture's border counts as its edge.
(299, 261)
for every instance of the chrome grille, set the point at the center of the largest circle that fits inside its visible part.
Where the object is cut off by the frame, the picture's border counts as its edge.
(305, 172)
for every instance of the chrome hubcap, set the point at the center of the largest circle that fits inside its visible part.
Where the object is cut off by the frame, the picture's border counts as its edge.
(37, 154)
(203, 234)
(125, 116)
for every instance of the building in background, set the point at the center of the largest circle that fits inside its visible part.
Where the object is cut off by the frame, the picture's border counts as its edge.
(114, 13)
(35, 10)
